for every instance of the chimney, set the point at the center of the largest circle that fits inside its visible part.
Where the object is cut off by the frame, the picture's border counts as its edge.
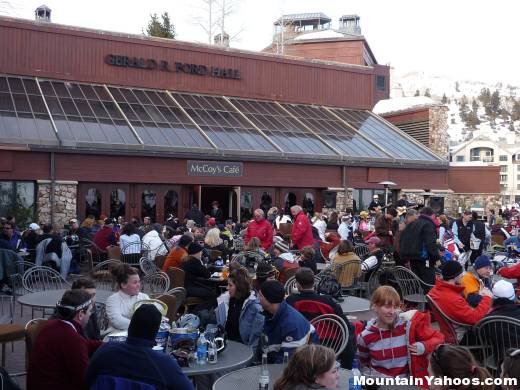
(42, 14)
(350, 24)
(221, 40)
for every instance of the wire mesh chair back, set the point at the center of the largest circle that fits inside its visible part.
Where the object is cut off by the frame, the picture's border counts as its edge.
(361, 250)
(32, 330)
(102, 317)
(177, 276)
(410, 285)
(332, 331)
(98, 254)
(446, 324)
(102, 275)
(40, 278)
(159, 261)
(148, 266)
(497, 334)
(18, 268)
(180, 294)
(160, 305)
(132, 252)
(290, 286)
(347, 273)
(156, 283)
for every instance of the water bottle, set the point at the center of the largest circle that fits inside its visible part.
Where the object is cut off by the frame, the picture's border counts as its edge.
(161, 339)
(285, 359)
(263, 382)
(355, 376)
(212, 352)
(202, 350)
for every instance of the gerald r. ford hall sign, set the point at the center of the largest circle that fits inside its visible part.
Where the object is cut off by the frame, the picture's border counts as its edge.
(214, 168)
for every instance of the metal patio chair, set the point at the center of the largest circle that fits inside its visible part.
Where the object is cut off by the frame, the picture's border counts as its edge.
(412, 288)
(156, 283)
(332, 332)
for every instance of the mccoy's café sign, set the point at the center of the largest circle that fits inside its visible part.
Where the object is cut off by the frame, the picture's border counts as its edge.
(175, 67)
(215, 168)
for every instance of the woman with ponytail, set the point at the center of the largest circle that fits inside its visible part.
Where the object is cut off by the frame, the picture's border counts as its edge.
(456, 363)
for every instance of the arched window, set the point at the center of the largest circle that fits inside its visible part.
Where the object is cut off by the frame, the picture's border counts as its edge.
(117, 203)
(246, 206)
(308, 203)
(93, 203)
(171, 204)
(266, 202)
(290, 201)
(149, 205)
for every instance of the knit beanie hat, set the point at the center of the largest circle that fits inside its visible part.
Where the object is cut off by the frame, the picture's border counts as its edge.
(194, 247)
(273, 291)
(451, 270)
(504, 289)
(145, 322)
(264, 270)
(482, 261)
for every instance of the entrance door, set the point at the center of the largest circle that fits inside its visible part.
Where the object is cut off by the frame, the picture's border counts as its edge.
(157, 201)
(223, 195)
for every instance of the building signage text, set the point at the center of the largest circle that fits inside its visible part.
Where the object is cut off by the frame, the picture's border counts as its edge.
(175, 67)
(214, 168)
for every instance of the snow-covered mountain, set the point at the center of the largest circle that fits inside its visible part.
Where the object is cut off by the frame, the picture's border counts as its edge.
(406, 84)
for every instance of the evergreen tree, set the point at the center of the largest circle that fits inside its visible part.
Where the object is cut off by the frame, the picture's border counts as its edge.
(457, 86)
(463, 108)
(164, 29)
(515, 111)
(417, 93)
(511, 126)
(472, 119)
(427, 93)
(444, 99)
(474, 105)
(495, 102)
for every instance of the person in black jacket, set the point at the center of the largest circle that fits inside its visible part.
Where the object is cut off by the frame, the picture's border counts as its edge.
(479, 231)
(196, 215)
(216, 212)
(196, 275)
(418, 245)
(311, 304)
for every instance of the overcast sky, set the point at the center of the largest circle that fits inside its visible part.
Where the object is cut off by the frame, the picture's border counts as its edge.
(467, 39)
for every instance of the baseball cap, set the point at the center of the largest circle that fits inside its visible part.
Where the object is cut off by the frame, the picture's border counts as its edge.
(34, 226)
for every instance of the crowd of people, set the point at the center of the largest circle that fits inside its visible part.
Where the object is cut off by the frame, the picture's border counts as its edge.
(448, 255)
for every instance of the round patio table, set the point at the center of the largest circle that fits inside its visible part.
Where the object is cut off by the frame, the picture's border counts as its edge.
(247, 378)
(352, 304)
(49, 298)
(236, 355)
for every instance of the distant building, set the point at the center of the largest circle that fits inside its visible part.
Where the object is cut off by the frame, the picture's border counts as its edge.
(482, 152)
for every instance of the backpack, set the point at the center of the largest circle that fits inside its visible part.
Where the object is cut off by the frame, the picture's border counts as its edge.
(329, 285)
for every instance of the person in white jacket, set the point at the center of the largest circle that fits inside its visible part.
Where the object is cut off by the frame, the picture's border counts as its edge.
(119, 306)
(320, 225)
(153, 242)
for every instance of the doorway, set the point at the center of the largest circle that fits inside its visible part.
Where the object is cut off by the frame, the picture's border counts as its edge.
(221, 195)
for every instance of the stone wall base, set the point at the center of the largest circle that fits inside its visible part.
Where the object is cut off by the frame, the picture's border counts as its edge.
(461, 202)
(65, 205)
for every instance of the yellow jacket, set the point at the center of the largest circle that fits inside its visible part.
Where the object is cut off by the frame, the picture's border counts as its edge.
(471, 283)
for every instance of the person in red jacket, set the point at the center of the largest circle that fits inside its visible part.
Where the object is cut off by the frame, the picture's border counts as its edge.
(512, 273)
(302, 229)
(397, 345)
(60, 353)
(447, 294)
(261, 228)
(105, 237)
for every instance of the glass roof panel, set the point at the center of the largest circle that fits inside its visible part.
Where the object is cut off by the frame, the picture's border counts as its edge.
(379, 132)
(83, 113)
(334, 131)
(223, 125)
(157, 120)
(23, 116)
(277, 125)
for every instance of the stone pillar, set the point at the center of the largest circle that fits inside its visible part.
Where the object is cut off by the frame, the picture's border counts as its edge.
(65, 207)
(344, 200)
(465, 201)
(439, 140)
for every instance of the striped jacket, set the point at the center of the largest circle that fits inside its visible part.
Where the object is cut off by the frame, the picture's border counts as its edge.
(386, 351)
(286, 331)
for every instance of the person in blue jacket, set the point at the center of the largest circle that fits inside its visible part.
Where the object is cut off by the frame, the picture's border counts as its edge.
(285, 329)
(135, 359)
